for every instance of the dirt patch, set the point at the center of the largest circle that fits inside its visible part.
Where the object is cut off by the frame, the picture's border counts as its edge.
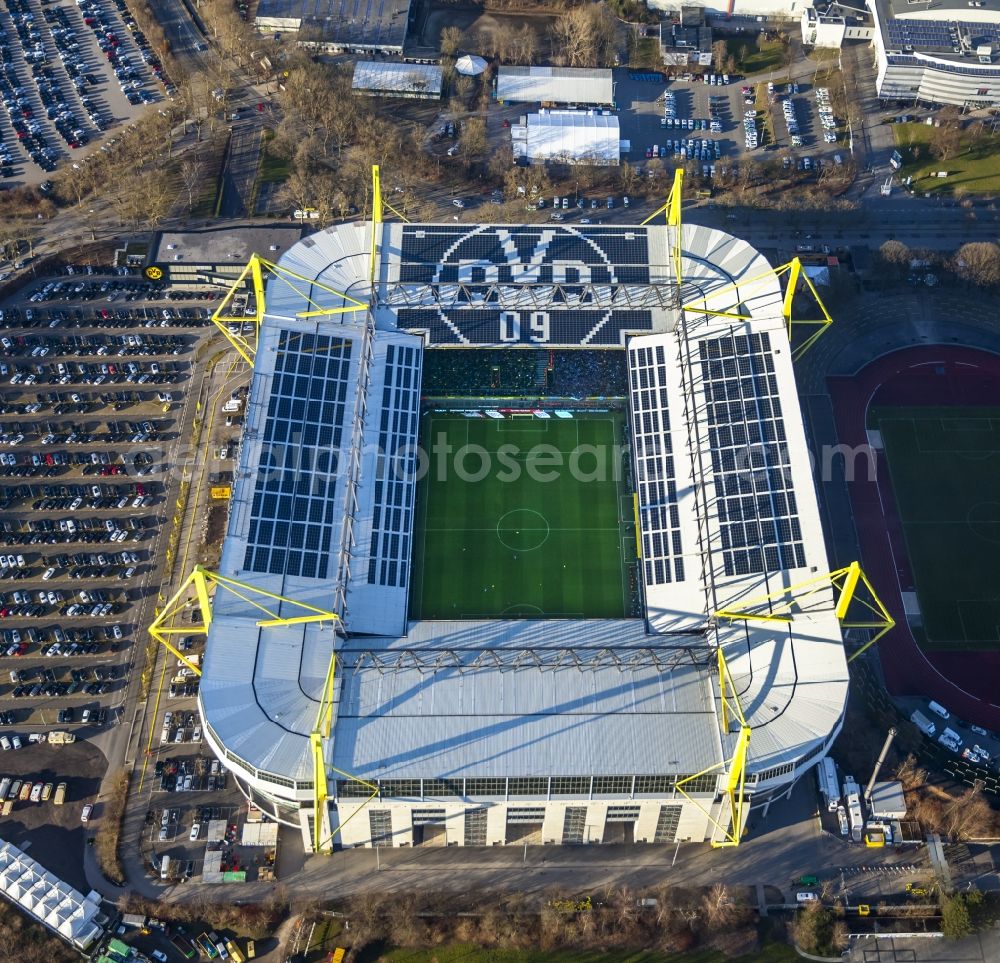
(53, 834)
(218, 515)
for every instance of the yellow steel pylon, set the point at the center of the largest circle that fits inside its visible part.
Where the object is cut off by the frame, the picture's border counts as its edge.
(848, 582)
(730, 710)
(378, 204)
(672, 208)
(258, 270)
(195, 590)
(795, 274)
(320, 734)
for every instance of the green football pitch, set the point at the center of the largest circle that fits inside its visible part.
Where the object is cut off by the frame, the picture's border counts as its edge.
(945, 467)
(522, 518)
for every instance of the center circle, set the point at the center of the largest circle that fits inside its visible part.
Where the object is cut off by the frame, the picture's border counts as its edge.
(984, 521)
(523, 530)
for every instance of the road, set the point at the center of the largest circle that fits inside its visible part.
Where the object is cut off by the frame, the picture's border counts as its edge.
(186, 42)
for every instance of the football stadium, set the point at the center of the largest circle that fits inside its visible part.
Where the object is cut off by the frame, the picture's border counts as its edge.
(557, 620)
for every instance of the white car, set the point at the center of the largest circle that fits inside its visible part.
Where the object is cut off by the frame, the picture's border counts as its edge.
(806, 897)
(195, 832)
(160, 956)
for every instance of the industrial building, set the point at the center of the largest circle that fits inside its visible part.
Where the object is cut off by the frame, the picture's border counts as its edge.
(686, 38)
(400, 732)
(555, 86)
(46, 898)
(215, 255)
(829, 25)
(568, 137)
(333, 25)
(384, 78)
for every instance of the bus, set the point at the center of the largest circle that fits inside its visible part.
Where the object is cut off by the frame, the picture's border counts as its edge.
(234, 952)
(183, 946)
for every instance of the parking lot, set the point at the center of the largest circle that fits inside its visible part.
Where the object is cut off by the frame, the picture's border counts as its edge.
(52, 830)
(88, 416)
(705, 125)
(67, 74)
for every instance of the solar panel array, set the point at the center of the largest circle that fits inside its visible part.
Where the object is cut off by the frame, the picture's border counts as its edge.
(940, 34)
(395, 470)
(656, 481)
(292, 512)
(754, 492)
(921, 33)
(467, 266)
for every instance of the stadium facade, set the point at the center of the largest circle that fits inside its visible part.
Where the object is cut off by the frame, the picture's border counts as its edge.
(494, 731)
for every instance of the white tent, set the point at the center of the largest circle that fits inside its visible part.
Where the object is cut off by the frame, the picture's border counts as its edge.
(470, 65)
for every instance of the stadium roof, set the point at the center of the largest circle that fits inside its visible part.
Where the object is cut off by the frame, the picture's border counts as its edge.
(371, 24)
(572, 136)
(388, 77)
(439, 699)
(47, 898)
(556, 85)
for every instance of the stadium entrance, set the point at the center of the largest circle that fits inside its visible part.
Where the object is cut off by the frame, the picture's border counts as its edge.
(429, 828)
(619, 824)
(524, 825)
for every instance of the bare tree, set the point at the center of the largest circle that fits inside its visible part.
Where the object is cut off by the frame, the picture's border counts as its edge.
(720, 51)
(969, 815)
(451, 39)
(979, 262)
(192, 169)
(473, 142)
(719, 908)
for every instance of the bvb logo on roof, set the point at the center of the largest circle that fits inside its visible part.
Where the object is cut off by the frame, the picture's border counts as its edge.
(154, 272)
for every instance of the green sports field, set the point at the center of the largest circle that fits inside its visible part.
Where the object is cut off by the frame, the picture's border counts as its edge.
(945, 467)
(522, 518)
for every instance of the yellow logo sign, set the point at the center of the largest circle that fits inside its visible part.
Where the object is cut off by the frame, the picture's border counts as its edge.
(222, 492)
(154, 272)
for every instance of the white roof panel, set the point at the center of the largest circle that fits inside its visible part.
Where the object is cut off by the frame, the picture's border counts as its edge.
(559, 85)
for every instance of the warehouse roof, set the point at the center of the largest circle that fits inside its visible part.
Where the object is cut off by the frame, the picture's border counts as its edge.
(375, 24)
(573, 135)
(387, 77)
(557, 85)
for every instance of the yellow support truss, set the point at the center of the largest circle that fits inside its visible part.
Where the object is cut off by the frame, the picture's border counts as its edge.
(730, 711)
(254, 276)
(672, 209)
(853, 590)
(320, 735)
(194, 590)
(795, 274)
(379, 204)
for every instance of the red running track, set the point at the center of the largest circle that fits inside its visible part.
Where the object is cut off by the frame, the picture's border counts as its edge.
(966, 682)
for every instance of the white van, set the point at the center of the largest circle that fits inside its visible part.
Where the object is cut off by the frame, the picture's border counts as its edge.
(939, 709)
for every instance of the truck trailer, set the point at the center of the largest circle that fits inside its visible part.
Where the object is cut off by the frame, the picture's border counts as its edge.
(924, 724)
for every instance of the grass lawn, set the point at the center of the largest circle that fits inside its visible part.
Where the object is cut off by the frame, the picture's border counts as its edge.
(644, 52)
(945, 468)
(528, 521)
(975, 171)
(205, 198)
(753, 58)
(463, 953)
(273, 169)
